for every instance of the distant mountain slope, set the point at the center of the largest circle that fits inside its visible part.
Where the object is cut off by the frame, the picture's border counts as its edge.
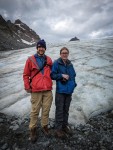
(74, 39)
(16, 35)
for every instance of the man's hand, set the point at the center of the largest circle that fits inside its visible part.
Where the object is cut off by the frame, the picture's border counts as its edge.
(65, 76)
(29, 91)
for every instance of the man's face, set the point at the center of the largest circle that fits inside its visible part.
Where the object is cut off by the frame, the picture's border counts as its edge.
(41, 51)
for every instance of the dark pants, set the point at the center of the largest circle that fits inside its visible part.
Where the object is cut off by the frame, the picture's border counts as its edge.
(62, 102)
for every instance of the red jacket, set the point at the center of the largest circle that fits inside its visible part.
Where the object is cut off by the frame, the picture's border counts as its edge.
(40, 82)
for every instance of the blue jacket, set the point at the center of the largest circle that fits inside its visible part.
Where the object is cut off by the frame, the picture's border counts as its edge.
(60, 68)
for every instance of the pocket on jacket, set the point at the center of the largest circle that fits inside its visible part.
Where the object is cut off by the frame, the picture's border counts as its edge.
(72, 85)
(48, 82)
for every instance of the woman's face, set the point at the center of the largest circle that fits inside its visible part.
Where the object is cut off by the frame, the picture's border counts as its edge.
(64, 54)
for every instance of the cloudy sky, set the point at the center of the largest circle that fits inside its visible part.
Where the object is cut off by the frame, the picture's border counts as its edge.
(61, 20)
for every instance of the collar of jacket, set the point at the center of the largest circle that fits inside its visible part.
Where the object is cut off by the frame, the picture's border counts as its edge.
(36, 55)
(60, 61)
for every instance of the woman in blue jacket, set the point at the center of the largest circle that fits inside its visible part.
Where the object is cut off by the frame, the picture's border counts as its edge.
(64, 74)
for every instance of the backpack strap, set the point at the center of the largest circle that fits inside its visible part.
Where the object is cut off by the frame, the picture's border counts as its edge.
(34, 62)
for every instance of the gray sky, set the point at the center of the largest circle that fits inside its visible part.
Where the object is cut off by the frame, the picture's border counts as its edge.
(61, 20)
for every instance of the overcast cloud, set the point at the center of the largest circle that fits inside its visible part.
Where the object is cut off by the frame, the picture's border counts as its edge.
(61, 20)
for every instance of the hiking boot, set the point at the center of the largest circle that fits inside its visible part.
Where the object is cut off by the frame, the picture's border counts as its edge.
(67, 130)
(33, 135)
(60, 134)
(45, 130)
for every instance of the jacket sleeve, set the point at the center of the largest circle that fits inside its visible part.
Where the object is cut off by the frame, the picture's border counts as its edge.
(55, 75)
(49, 62)
(27, 74)
(74, 75)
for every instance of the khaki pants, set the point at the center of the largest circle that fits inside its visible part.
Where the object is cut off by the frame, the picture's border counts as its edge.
(40, 100)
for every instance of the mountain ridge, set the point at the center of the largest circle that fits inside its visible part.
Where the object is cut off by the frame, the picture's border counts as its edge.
(16, 35)
(74, 39)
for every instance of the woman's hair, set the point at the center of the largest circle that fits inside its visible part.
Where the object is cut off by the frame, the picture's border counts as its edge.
(64, 48)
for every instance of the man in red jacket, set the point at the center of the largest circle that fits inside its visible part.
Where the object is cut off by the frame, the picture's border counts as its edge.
(37, 81)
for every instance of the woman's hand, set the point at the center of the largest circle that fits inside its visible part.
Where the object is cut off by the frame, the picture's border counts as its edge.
(65, 76)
